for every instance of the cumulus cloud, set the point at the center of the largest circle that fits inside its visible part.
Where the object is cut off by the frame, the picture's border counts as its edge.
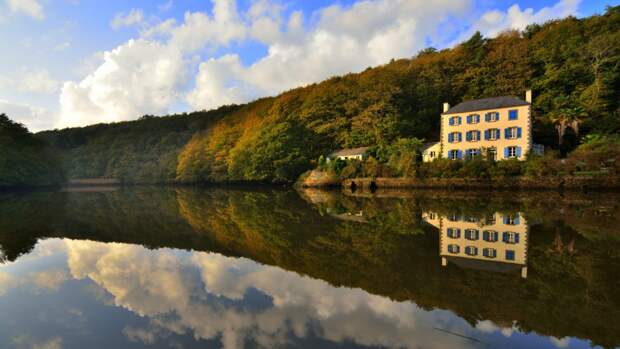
(139, 77)
(494, 22)
(30, 8)
(133, 17)
(37, 81)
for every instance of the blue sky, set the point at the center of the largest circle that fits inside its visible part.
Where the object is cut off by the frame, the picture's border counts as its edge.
(78, 62)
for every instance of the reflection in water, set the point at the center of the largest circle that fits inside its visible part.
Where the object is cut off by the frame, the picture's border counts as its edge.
(269, 268)
(496, 242)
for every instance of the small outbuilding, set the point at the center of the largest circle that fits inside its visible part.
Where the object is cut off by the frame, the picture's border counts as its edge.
(431, 151)
(349, 154)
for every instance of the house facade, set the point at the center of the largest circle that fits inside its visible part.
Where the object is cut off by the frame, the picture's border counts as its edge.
(499, 128)
(496, 242)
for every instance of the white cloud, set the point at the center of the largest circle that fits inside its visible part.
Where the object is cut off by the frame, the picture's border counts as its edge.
(36, 118)
(139, 77)
(30, 8)
(133, 17)
(53, 343)
(165, 7)
(38, 81)
(494, 22)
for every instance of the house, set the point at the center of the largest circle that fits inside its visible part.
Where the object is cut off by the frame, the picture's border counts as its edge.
(349, 154)
(431, 151)
(499, 128)
(497, 242)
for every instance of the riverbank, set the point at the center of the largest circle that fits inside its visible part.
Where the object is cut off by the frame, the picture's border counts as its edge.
(318, 179)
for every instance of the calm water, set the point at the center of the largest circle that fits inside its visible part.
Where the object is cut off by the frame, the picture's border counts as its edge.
(211, 268)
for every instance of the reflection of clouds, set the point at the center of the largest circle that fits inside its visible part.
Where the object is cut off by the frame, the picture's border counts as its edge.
(54, 343)
(6, 282)
(50, 279)
(488, 326)
(212, 295)
(25, 341)
(560, 342)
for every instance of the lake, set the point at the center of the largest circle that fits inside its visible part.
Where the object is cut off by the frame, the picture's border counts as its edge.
(149, 267)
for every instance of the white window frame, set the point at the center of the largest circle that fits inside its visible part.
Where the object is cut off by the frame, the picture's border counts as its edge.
(512, 237)
(473, 118)
(494, 116)
(513, 133)
(456, 120)
(512, 152)
(493, 134)
(495, 234)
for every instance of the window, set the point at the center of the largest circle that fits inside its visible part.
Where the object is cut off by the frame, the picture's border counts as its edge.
(454, 121)
(492, 134)
(512, 133)
(455, 155)
(510, 255)
(510, 237)
(473, 119)
(471, 219)
(511, 219)
(473, 153)
(490, 235)
(471, 251)
(472, 136)
(471, 234)
(513, 114)
(454, 249)
(431, 216)
(453, 217)
(490, 219)
(432, 155)
(489, 252)
(491, 117)
(454, 233)
(454, 137)
(512, 152)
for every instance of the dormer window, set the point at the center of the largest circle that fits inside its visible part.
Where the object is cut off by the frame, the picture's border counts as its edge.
(491, 116)
(454, 120)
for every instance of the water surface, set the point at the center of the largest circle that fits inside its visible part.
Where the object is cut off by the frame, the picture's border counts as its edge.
(212, 268)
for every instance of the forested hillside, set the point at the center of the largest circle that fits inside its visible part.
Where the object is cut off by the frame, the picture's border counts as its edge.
(572, 65)
(25, 160)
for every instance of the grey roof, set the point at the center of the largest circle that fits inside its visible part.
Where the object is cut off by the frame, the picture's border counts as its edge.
(487, 104)
(350, 152)
(428, 145)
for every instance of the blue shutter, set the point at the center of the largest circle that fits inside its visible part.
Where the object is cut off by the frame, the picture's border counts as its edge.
(506, 153)
(468, 136)
(518, 132)
(487, 134)
(497, 133)
(460, 121)
(505, 237)
(517, 238)
(496, 116)
(487, 117)
(518, 152)
(485, 235)
(513, 115)
(517, 219)
(478, 135)
(469, 119)
(458, 137)
(477, 118)
(450, 137)
(459, 154)
(507, 133)
(451, 121)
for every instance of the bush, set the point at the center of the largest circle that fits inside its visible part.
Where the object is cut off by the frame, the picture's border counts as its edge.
(475, 168)
(506, 168)
(542, 166)
(440, 168)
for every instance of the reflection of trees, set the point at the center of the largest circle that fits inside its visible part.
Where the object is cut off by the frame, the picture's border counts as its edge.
(571, 293)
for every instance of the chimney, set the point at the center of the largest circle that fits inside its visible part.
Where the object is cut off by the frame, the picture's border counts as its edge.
(446, 106)
(528, 96)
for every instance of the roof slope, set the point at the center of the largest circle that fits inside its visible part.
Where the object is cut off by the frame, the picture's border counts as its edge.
(350, 152)
(486, 104)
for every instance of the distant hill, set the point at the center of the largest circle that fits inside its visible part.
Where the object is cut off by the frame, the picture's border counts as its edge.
(24, 159)
(571, 64)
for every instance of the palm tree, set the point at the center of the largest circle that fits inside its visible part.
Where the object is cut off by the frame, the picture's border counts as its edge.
(566, 116)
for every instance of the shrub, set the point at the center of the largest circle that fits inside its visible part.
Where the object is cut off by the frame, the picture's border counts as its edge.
(506, 168)
(475, 168)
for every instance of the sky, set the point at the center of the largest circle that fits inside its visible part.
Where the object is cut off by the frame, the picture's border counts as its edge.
(69, 63)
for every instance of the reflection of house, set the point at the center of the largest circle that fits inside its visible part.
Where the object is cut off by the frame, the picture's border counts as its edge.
(498, 127)
(348, 216)
(348, 154)
(497, 242)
